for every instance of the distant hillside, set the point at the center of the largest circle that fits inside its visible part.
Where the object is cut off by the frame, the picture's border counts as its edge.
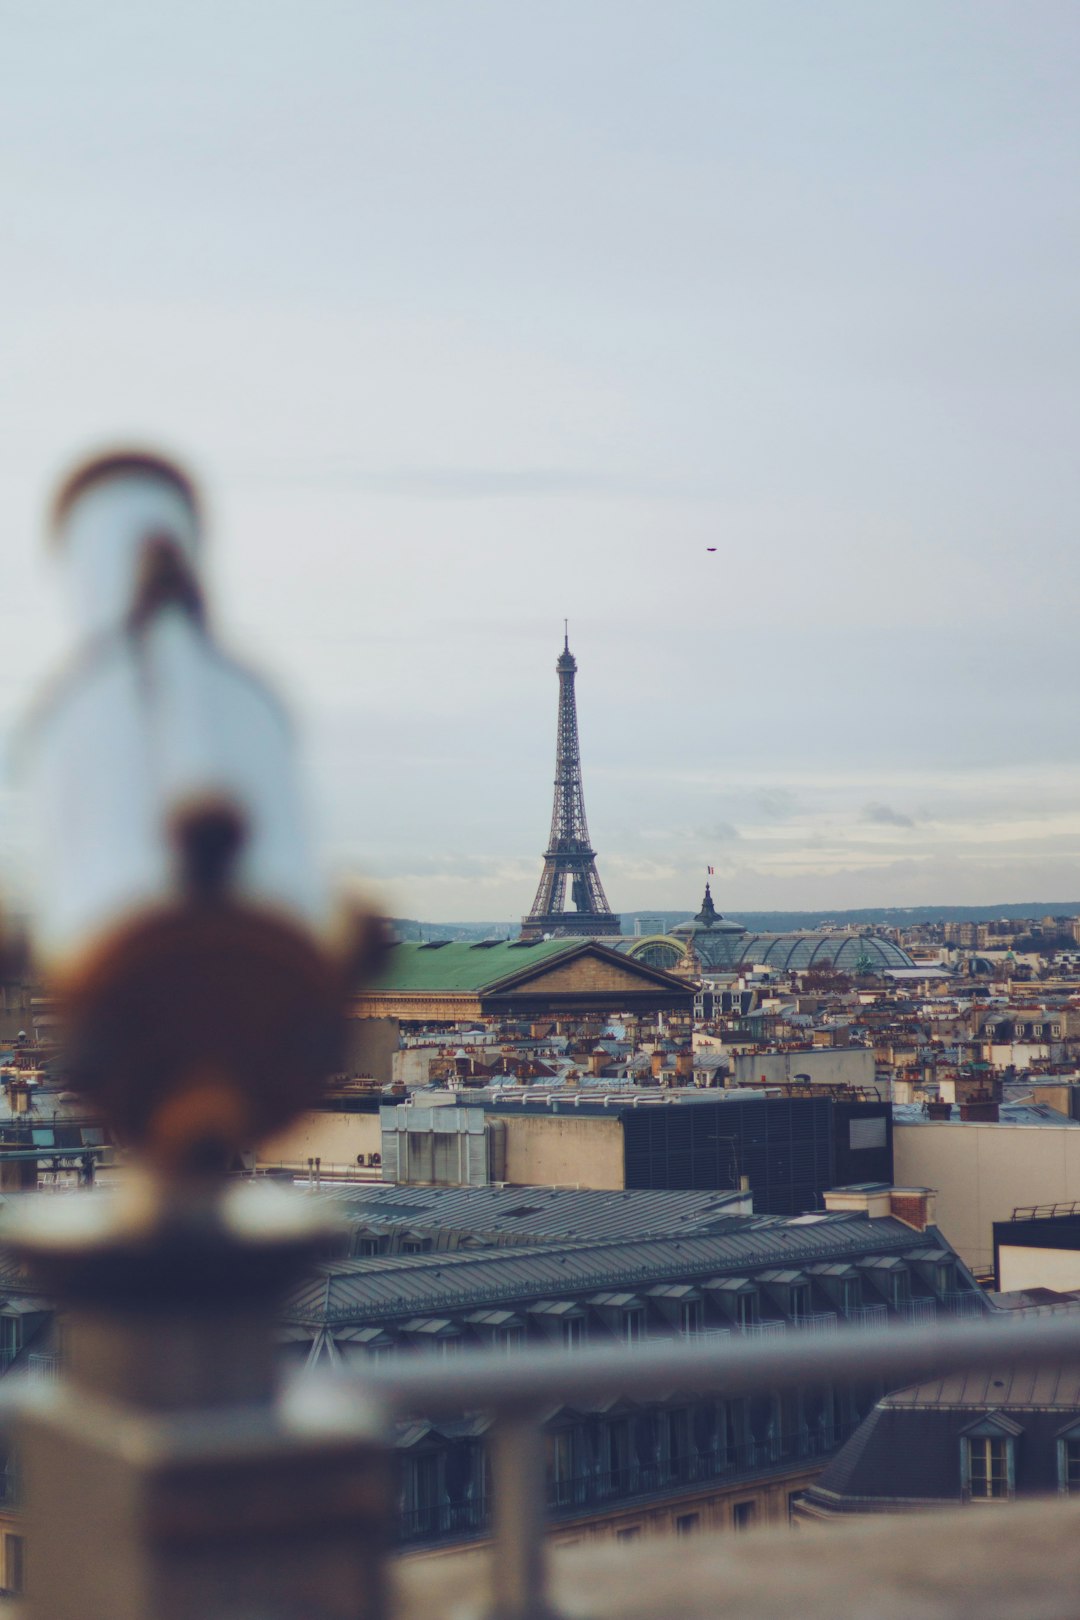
(410, 928)
(782, 922)
(768, 922)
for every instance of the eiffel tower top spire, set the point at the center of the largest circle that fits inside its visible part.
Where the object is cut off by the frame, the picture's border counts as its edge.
(569, 859)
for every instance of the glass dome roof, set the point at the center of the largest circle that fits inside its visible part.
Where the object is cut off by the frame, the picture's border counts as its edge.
(720, 944)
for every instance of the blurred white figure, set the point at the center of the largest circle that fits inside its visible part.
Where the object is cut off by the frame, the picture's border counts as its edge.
(157, 768)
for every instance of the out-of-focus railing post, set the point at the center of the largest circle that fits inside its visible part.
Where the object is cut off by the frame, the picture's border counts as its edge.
(519, 1570)
(180, 919)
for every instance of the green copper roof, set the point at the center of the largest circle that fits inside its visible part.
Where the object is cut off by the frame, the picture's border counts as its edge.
(460, 966)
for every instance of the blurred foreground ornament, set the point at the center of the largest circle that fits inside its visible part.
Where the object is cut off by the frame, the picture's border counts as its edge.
(178, 909)
(179, 915)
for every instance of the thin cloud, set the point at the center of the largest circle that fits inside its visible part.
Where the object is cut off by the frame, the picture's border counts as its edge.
(883, 815)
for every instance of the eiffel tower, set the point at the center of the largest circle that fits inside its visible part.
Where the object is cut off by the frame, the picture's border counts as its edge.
(569, 860)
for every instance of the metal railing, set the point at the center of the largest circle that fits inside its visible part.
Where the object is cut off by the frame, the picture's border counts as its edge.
(599, 1488)
(867, 1316)
(517, 1391)
(965, 1302)
(1045, 1212)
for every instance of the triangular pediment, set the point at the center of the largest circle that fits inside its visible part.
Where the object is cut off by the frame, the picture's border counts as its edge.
(588, 968)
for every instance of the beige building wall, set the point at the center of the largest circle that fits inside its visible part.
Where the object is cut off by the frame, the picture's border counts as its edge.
(826, 1065)
(335, 1138)
(983, 1172)
(558, 1150)
(711, 1508)
(1022, 1267)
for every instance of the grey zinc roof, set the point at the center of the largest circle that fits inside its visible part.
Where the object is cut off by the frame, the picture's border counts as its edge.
(1029, 1388)
(536, 1214)
(392, 1286)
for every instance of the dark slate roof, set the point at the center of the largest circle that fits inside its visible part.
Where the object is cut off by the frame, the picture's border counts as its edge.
(383, 1287)
(527, 1215)
(907, 1451)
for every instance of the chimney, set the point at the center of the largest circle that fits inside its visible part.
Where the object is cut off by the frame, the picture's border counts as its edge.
(18, 1093)
(984, 1111)
(684, 1064)
(915, 1206)
(656, 1063)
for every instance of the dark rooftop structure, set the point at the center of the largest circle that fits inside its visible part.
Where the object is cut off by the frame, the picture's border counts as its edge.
(790, 1149)
(971, 1437)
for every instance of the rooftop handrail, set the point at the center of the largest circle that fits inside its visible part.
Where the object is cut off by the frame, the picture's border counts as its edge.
(518, 1390)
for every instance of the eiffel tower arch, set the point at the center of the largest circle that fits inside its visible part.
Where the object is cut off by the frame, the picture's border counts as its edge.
(570, 898)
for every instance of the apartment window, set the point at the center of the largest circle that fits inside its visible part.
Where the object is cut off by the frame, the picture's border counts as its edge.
(690, 1316)
(674, 1435)
(13, 1563)
(799, 1301)
(621, 1472)
(850, 1294)
(633, 1324)
(687, 1524)
(746, 1309)
(794, 1498)
(423, 1493)
(989, 1467)
(743, 1515)
(946, 1277)
(631, 1533)
(900, 1288)
(10, 1337)
(562, 1456)
(1069, 1464)
(508, 1338)
(573, 1331)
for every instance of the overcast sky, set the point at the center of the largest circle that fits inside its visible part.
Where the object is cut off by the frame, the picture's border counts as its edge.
(471, 316)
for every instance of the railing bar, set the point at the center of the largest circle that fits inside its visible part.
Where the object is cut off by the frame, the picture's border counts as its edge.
(519, 1568)
(491, 1381)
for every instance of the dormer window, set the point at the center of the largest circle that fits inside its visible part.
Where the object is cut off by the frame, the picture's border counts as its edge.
(799, 1301)
(690, 1316)
(945, 1277)
(1068, 1458)
(850, 1294)
(988, 1459)
(988, 1467)
(10, 1338)
(746, 1308)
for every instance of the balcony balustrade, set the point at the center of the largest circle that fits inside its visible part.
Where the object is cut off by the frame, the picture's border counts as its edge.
(519, 1391)
(965, 1303)
(601, 1488)
(867, 1316)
